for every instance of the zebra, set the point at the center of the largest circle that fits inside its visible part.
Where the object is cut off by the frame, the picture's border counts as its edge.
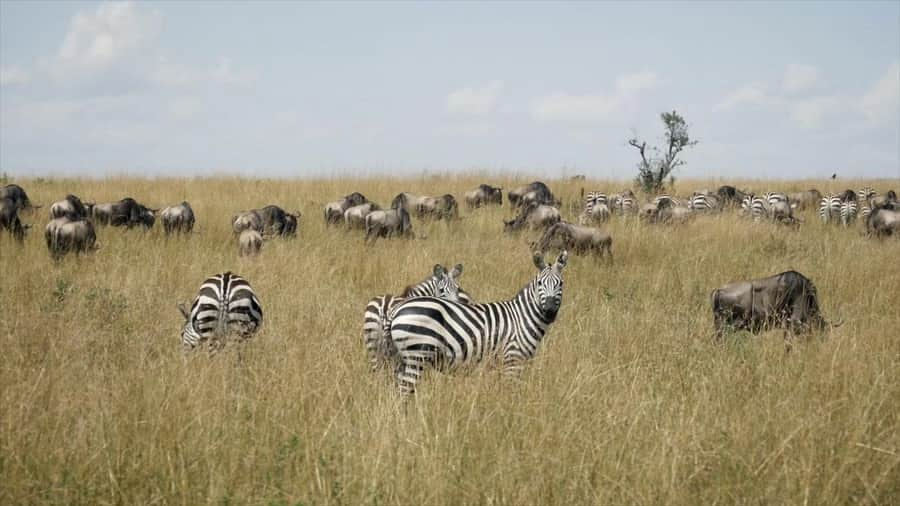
(830, 207)
(431, 332)
(703, 202)
(754, 207)
(866, 193)
(442, 283)
(848, 212)
(593, 198)
(625, 203)
(225, 304)
(773, 197)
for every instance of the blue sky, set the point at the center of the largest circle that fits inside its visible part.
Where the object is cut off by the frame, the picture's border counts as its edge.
(787, 90)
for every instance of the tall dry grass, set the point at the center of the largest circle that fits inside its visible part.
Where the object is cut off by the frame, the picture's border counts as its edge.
(628, 402)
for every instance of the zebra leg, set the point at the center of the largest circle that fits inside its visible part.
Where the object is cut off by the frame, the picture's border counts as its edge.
(409, 370)
(513, 362)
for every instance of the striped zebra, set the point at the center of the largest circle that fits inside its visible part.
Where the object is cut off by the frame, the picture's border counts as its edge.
(830, 208)
(442, 284)
(866, 194)
(445, 335)
(225, 305)
(625, 203)
(754, 207)
(703, 203)
(849, 210)
(673, 201)
(773, 197)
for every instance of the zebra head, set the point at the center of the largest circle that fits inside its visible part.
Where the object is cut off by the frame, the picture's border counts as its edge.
(446, 283)
(548, 285)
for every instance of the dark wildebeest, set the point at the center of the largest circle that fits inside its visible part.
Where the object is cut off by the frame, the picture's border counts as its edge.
(247, 220)
(808, 199)
(847, 196)
(15, 193)
(536, 191)
(888, 200)
(178, 218)
(275, 220)
(250, 242)
(730, 196)
(566, 236)
(64, 235)
(388, 223)
(483, 195)
(883, 221)
(355, 217)
(533, 215)
(334, 211)
(71, 206)
(787, 301)
(129, 213)
(9, 219)
(101, 214)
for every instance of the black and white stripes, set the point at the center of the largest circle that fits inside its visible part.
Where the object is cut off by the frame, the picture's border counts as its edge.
(226, 305)
(431, 332)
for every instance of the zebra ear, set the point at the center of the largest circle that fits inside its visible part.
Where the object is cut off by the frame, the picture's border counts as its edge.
(457, 271)
(438, 270)
(539, 260)
(561, 260)
(183, 310)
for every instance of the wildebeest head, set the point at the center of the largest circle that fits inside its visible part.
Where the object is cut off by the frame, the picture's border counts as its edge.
(400, 201)
(847, 196)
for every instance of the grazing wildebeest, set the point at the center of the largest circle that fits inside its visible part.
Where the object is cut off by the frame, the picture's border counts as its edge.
(178, 218)
(439, 208)
(566, 236)
(101, 214)
(17, 194)
(247, 220)
(388, 223)
(9, 219)
(730, 196)
(334, 211)
(808, 199)
(65, 234)
(71, 206)
(665, 210)
(782, 212)
(129, 213)
(889, 200)
(483, 195)
(355, 217)
(249, 242)
(291, 221)
(275, 219)
(883, 221)
(535, 216)
(787, 300)
(537, 192)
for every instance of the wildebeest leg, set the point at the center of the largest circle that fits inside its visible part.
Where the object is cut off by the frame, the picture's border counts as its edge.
(787, 342)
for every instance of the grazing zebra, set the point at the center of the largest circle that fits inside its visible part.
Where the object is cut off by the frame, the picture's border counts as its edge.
(773, 197)
(226, 304)
(830, 208)
(625, 203)
(431, 332)
(754, 207)
(442, 284)
(703, 203)
(848, 212)
(594, 198)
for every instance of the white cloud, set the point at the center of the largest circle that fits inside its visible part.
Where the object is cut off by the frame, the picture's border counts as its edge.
(10, 76)
(100, 39)
(475, 101)
(565, 107)
(754, 93)
(799, 77)
(882, 101)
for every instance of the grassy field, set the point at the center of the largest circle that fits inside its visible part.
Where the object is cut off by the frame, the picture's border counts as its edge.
(628, 402)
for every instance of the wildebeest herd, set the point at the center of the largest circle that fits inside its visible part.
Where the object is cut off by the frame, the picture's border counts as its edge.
(436, 324)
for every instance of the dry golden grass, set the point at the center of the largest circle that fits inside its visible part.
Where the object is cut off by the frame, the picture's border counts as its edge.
(628, 402)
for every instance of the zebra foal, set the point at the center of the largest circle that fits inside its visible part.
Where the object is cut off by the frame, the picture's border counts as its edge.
(225, 305)
(445, 335)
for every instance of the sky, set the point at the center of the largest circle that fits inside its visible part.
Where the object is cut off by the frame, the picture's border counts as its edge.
(301, 89)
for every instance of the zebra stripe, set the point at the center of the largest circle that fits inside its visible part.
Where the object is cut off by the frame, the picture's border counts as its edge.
(754, 207)
(830, 208)
(848, 212)
(442, 284)
(225, 304)
(866, 193)
(626, 204)
(773, 197)
(431, 332)
(703, 203)
(662, 198)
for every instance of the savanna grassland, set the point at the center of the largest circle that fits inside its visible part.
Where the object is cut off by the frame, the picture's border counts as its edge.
(629, 401)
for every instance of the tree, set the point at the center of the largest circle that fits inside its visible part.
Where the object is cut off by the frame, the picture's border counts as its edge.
(654, 168)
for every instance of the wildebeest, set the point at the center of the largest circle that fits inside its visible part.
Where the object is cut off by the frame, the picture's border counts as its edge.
(535, 192)
(730, 196)
(889, 200)
(782, 212)
(70, 206)
(178, 218)
(9, 219)
(334, 211)
(535, 216)
(483, 195)
(129, 213)
(388, 223)
(101, 214)
(64, 235)
(439, 208)
(883, 221)
(275, 220)
(808, 199)
(18, 196)
(413, 204)
(787, 300)
(566, 236)
(249, 242)
(355, 217)
(665, 211)
(247, 220)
